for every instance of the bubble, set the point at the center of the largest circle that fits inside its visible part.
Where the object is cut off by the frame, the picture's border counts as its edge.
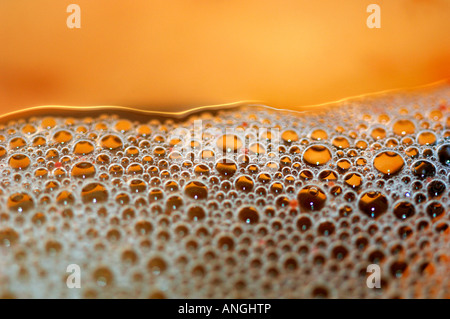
(444, 154)
(62, 137)
(94, 193)
(249, 215)
(404, 232)
(17, 142)
(389, 163)
(39, 219)
(423, 169)
(340, 142)
(3, 152)
(103, 276)
(103, 159)
(83, 170)
(8, 237)
(39, 141)
(129, 256)
(319, 135)
(53, 247)
(83, 148)
(373, 204)
(157, 265)
(376, 256)
(20, 202)
(137, 185)
(196, 213)
(225, 243)
(412, 152)
(41, 173)
(353, 180)
(361, 161)
(65, 198)
(144, 130)
(404, 210)
(326, 228)
(226, 168)
(362, 145)
(328, 175)
(19, 161)
(289, 136)
(317, 155)
(196, 190)
(123, 126)
(435, 210)
(311, 198)
(48, 123)
(426, 138)
(51, 186)
(207, 154)
(398, 268)
(378, 133)
(343, 165)
(28, 129)
(304, 223)
(173, 203)
(229, 143)
(59, 173)
(159, 152)
(143, 227)
(111, 142)
(403, 127)
(135, 169)
(257, 148)
(116, 170)
(244, 183)
(155, 194)
(436, 189)
(171, 186)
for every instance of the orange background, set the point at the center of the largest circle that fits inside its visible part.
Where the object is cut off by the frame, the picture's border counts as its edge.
(175, 54)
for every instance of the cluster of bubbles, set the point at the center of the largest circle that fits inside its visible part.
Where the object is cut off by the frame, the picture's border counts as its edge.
(148, 215)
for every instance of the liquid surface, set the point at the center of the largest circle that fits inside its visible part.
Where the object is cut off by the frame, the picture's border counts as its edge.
(247, 202)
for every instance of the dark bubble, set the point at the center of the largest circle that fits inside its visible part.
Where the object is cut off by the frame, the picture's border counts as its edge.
(249, 215)
(404, 210)
(444, 154)
(436, 188)
(423, 169)
(373, 204)
(311, 198)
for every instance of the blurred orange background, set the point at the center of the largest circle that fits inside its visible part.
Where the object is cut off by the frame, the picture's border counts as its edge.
(172, 55)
